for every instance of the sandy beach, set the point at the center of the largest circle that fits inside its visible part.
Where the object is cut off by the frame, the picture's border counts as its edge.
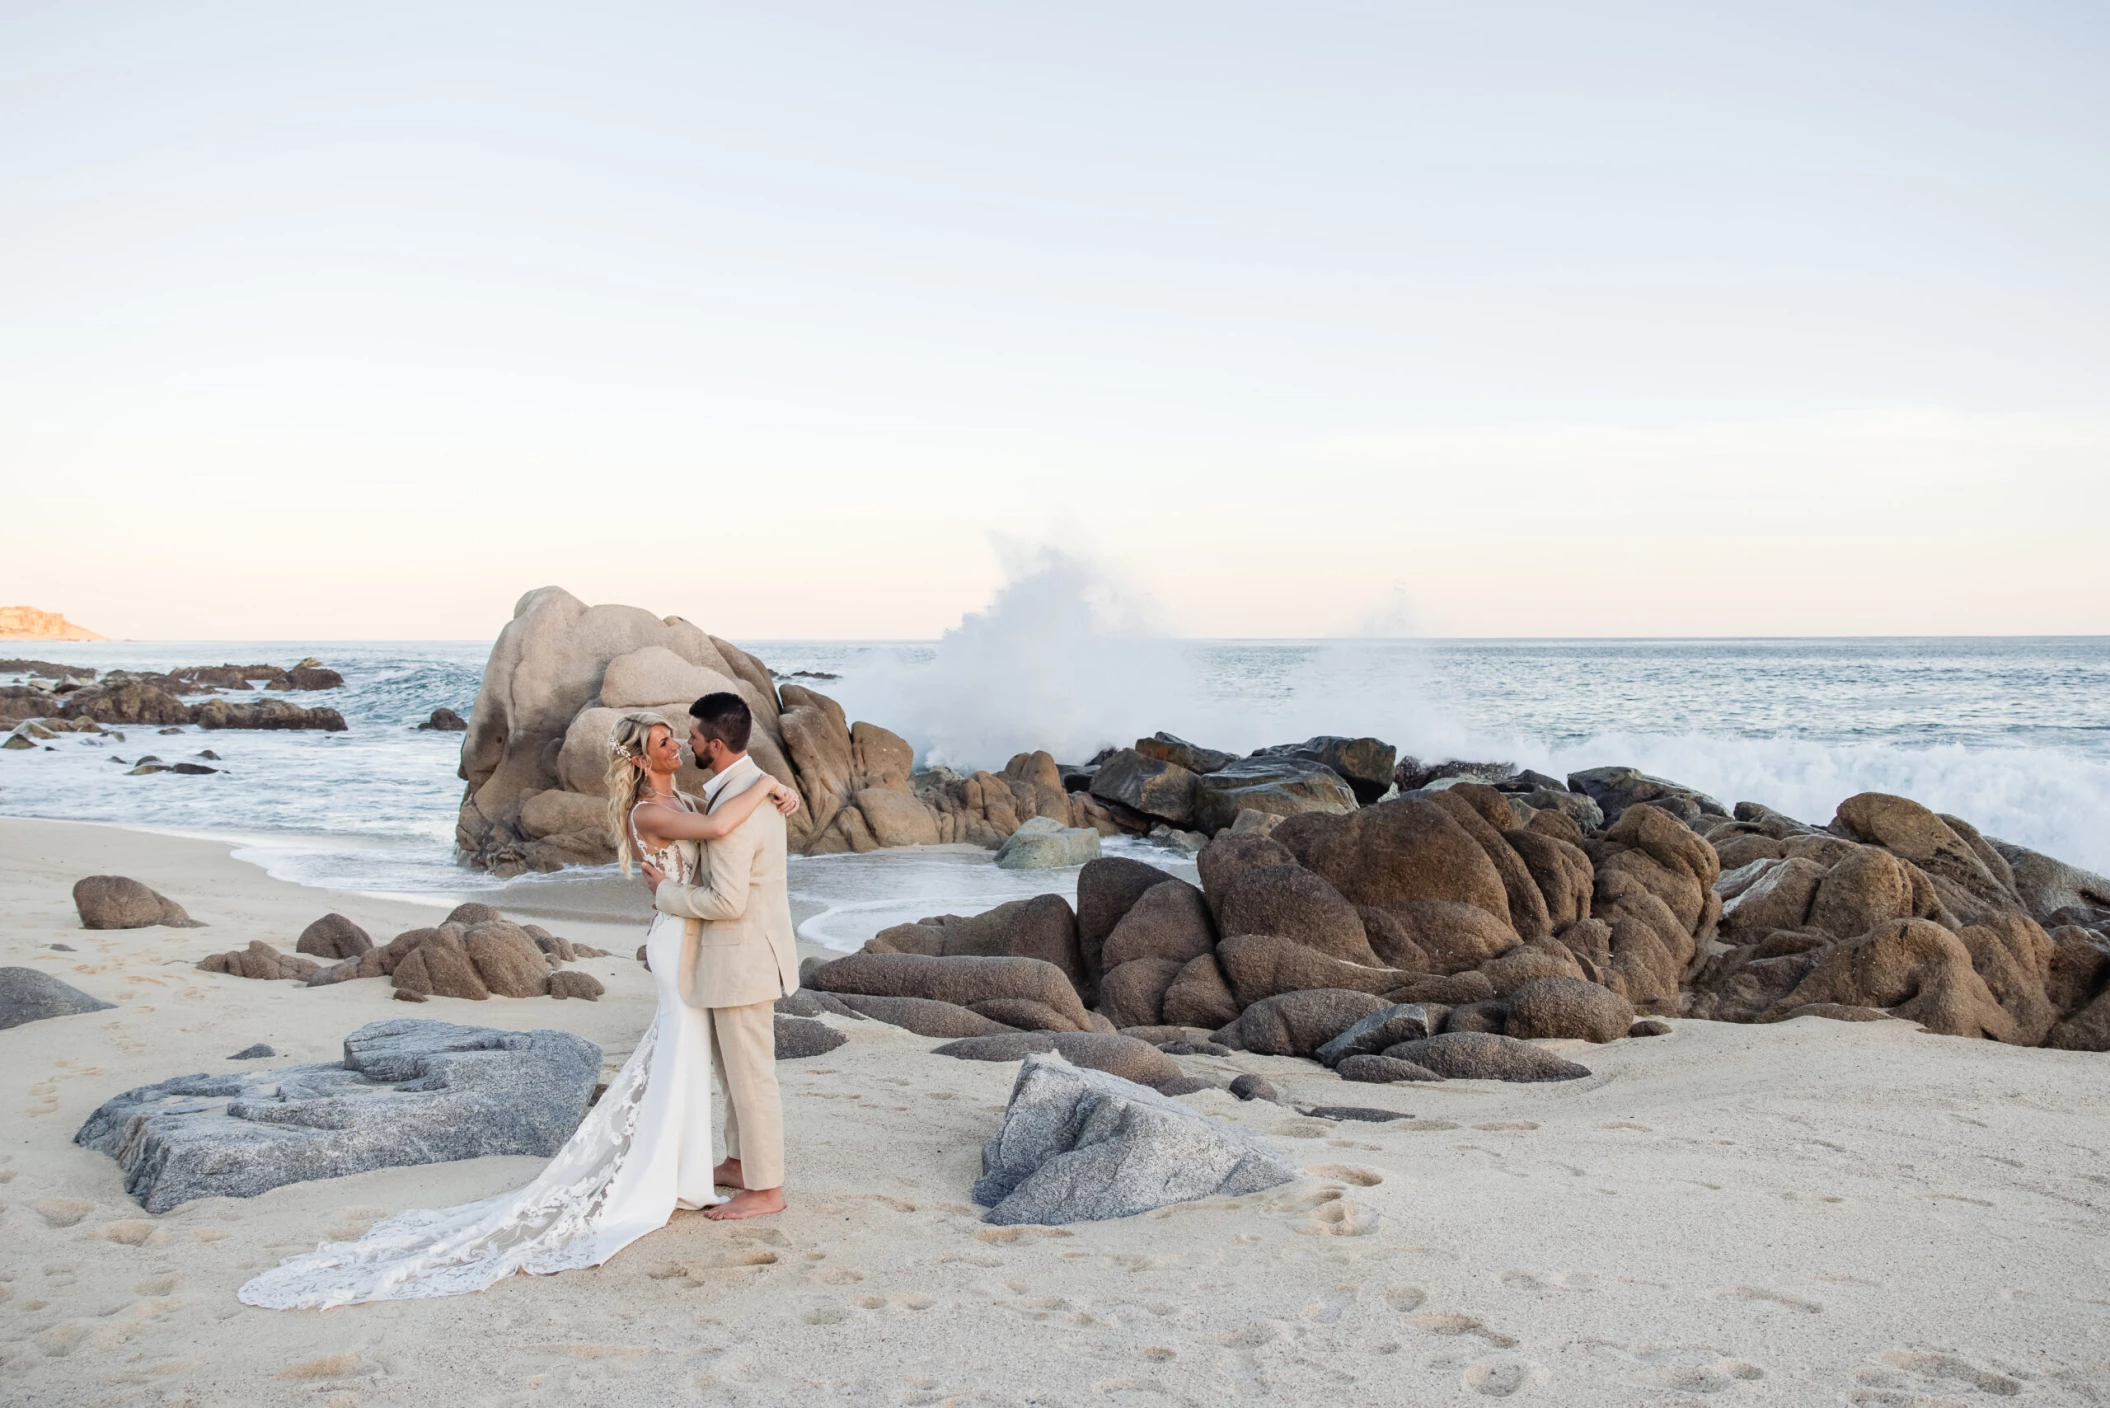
(1812, 1212)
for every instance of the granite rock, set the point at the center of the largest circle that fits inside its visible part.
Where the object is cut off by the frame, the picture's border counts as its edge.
(407, 1092)
(31, 995)
(1083, 1146)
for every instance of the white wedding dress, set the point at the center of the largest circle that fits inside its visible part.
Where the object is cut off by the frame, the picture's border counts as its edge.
(642, 1151)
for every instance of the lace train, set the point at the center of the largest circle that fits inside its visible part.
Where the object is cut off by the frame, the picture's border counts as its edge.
(553, 1224)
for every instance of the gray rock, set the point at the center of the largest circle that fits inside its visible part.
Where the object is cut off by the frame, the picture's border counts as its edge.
(800, 1037)
(1365, 764)
(1383, 1070)
(1408, 1021)
(1083, 1146)
(1190, 1046)
(1184, 1085)
(1046, 844)
(2046, 886)
(118, 902)
(1279, 785)
(575, 982)
(1158, 789)
(1568, 1007)
(1412, 774)
(1367, 1113)
(1171, 748)
(1187, 843)
(1116, 1055)
(1485, 1056)
(1578, 807)
(1615, 789)
(253, 1053)
(1252, 1087)
(1649, 1026)
(407, 1092)
(30, 995)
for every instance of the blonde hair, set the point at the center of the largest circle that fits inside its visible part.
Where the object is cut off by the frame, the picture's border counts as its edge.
(626, 749)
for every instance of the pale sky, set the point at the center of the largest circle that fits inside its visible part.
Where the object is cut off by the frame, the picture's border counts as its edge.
(360, 320)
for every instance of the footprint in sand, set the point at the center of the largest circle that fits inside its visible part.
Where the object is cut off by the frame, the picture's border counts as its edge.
(1347, 1173)
(1501, 1378)
(1340, 1219)
(1455, 1324)
(61, 1212)
(1916, 1369)
(1694, 1369)
(1755, 1293)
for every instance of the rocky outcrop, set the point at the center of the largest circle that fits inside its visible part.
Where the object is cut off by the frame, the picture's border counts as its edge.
(535, 754)
(1083, 1146)
(407, 1092)
(119, 902)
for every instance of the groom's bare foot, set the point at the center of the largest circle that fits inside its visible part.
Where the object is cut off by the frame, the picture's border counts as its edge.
(748, 1202)
(727, 1175)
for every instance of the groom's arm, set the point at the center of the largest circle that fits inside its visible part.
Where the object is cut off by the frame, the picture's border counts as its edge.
(732, 868)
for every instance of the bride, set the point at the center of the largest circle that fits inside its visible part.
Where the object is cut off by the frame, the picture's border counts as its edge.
(641, 1152)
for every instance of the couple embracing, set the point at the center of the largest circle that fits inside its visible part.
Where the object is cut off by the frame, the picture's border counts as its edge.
(721, 953)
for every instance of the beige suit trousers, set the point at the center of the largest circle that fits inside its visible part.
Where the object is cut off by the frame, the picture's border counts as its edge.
(744, 1053)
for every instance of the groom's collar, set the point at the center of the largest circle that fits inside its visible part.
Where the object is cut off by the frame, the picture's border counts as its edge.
(719, 780)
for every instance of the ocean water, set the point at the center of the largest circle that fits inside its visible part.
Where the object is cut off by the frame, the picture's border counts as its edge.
(2012, 734)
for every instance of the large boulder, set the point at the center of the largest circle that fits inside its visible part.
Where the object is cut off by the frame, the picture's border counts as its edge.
(118, 902)
(1614, 789)
(2049, 887)
(1230, 855)
(28, 995)
(977, 983)
(1152, 786)
(1262, 965)
(1397, 852)
(1170, 921)
(1365, 764)
(1041, 926)
(1046, 844)
(1279, 786)
(1082, 1146)
(548, 668)
(1485, 1056)
(407, 1092)
(1105, 889)
(1567, 1007)
(1200, 996)
(1297, 1023)
(1291, 902)
(1446, 936)
(1916, 969)
(1132, 994)
(1170, 748)
(1912, 832)
(333, 936)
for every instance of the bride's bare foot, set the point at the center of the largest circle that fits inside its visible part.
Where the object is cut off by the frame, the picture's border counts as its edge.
(748, 1202)
(727, 1175)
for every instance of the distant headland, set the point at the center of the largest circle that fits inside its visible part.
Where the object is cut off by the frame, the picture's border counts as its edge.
(28, 623)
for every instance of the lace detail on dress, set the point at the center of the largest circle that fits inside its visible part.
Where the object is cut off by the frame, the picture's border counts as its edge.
(547, 1226)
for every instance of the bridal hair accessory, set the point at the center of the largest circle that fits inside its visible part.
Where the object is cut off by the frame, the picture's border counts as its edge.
(626, 745)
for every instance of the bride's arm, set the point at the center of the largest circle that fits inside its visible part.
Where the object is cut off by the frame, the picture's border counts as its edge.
(665, 823)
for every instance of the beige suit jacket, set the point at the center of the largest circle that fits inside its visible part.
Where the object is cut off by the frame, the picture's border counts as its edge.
(738, 947)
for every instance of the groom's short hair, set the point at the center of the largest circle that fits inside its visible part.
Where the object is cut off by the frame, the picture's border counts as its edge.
(726, 718)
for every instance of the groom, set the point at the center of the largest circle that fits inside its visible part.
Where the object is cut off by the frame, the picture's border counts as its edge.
(738, 957)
